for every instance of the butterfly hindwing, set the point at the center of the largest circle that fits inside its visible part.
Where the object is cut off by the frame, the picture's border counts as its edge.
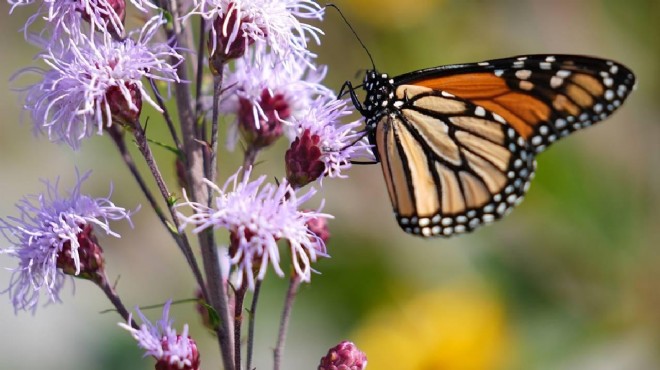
(449, 164)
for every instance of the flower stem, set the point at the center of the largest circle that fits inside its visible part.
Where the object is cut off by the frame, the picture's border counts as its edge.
(200, 74)
(251, 323)
(217, 90)
(238, 321)
(166, 114)
(102, 282)
(194, 164)
(144, 148)
(118, 139)
(294, 284)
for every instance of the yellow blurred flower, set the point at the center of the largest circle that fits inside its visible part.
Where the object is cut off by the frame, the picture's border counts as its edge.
(446, 329)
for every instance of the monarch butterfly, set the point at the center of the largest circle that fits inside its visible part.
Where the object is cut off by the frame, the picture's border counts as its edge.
(457, 143)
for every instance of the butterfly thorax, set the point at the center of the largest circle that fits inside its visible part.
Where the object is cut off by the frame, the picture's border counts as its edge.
(380, 96)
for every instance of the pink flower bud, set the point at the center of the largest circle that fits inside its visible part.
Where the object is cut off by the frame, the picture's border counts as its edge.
(110, 13)
(90, 254)
(319, 226)
(344, 356)
(303, 160)
(227, 39)
(262, 130)
(123, 111)
(171, 359)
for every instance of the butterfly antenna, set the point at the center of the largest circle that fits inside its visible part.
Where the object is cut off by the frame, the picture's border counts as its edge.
(354, 33)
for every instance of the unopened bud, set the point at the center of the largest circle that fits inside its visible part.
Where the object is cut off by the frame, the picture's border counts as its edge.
(172, 360)
(121, 110)
(227, 40)
(111, 12)
(319, 226)
(90, 255)
(263, 131)
(303, 160)
(344, 356)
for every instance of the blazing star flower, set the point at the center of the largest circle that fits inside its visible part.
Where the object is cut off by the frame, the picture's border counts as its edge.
(240, 23)
(322, 138)
(66, 16)
(257, 217)
(172, 351)
(95, 81)
(48, 225)
(264, 96)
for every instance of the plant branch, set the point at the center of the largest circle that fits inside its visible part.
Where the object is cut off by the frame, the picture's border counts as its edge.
(102, 282)
(194, 165)
(166, 114)
(251, 323)
(217, 90)
(144, 148)
(294, 284)
(238, 322)
(198, 82)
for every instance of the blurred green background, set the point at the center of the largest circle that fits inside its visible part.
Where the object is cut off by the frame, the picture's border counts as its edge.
(568, 281)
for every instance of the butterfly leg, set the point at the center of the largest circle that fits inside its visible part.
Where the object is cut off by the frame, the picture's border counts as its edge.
(347, 87)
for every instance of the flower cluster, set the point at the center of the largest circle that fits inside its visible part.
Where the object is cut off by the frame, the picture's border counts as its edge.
(49, 226)
(264, 97)
(93, 79)
(336, 143)
(237, 24)
(257, 215)
(171, 350)
(66, 18)
(97, 80)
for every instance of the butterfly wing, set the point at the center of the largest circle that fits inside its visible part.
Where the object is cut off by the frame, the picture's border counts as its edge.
(449, 164)
(543, 97)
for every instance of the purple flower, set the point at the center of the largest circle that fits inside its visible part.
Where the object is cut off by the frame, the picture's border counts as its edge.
(97, 80)
(264, 95)
(272, 22)
(338, 142)
(66, 16)
(257, 216)
(48, 224)
(171, 350)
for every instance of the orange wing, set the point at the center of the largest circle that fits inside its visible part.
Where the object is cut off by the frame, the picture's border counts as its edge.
(450, 165)
(457, 143)
(543, 97)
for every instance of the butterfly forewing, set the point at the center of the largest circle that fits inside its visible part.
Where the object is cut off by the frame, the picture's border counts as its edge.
(544, 97)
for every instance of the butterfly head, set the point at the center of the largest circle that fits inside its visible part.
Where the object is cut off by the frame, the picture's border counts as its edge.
(380, 94)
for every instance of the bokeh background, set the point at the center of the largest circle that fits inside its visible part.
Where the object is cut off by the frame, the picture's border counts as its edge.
(568, 281)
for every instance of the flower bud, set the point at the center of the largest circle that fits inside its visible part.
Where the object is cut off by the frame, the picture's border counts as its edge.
(319, 226)
(121, 110)
(172, 360)
(89, 252)
(111, 13)
(263, 131)
(344, 356)
(236, 239)
(227, 40)
(303, 160)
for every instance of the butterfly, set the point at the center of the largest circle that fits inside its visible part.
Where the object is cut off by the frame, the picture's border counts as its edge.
(457, 143)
